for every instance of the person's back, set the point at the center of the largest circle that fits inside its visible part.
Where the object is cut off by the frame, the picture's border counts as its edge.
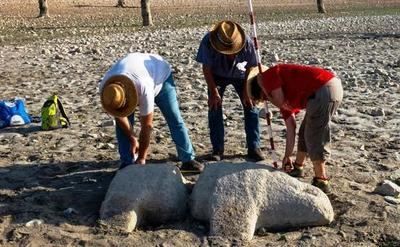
(298, 82)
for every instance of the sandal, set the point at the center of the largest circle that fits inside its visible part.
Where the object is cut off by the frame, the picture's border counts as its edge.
(297, 171)
(322, 183)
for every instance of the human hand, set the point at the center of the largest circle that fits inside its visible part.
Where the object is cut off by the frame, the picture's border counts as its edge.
(287, 164)
(134, 146)
(247, 101)
(214, 100)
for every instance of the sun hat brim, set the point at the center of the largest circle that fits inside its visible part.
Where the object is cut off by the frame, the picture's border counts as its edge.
(253, 72)
(131, 96)
(235, 48)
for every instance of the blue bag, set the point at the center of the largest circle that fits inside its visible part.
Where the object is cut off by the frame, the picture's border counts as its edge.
(13, 113)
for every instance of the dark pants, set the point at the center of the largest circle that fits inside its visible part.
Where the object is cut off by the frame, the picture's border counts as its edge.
(216, 122)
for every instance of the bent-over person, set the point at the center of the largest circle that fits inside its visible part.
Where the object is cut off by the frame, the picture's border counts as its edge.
(291, 88)
(144, 80)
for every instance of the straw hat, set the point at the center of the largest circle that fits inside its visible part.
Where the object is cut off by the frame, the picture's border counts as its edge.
(118, 96)
(227, 37)
(254, 89)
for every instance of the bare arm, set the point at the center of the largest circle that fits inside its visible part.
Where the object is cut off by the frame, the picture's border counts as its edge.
(276, 96)
(246, 98)
(290, 123)
(146, 127)
(215, 99)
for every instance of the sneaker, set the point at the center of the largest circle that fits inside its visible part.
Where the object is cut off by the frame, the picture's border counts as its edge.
(255, 154)
(323, 184)
(192, 166)
(297, 171)
(217, 156)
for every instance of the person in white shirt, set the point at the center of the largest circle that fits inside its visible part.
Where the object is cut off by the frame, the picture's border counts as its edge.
(144, 80)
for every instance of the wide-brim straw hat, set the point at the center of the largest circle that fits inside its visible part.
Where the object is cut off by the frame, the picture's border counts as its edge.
(227, 37)
(253, 73)
(118, 96)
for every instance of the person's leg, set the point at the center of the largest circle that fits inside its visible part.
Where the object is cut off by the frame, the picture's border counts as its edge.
(319, 168)
(301, 155)
(124, 145)
(317, 133)
(167, 101)
(216, 124)
(251, 124)
(317, 129)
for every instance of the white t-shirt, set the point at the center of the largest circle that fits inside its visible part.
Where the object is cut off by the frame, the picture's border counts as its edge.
(148, 72)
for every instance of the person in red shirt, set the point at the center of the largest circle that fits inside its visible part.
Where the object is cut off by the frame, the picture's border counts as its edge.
(291, 88)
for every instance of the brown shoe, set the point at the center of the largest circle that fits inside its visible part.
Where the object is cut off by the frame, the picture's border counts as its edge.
(192, 166)
(255, 154)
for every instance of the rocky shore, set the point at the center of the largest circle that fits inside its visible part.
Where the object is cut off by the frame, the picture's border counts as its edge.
(52, 183)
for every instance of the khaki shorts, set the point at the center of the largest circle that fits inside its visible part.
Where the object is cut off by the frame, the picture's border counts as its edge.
(315, 131)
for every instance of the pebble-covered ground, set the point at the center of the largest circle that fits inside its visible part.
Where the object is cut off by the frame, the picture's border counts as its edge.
(59, 178)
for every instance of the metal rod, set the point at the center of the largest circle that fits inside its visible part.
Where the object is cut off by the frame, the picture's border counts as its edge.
(258, 57)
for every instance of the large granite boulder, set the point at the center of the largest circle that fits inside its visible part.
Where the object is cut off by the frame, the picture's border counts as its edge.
(144, 195)
(237, 199)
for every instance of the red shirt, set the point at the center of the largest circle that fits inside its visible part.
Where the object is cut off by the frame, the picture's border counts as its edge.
(298, 83)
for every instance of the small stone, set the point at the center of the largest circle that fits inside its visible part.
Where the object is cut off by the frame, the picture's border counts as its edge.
(200, 145)
(58, 57)
(342, 234)
(388, 188)
(69, 211)
(381, 72)
(34, 223)
(315, 61)
(262, 231)
(274, 58)
(45, 51)
(379, 112)
(108, 123)
(96, 51)
(307, 235)
(110, 146)
(392, 200)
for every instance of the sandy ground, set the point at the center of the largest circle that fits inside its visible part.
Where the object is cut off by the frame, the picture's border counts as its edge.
(59, 178)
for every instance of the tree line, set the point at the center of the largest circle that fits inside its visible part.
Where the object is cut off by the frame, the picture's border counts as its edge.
(144, 6)
(145, 9)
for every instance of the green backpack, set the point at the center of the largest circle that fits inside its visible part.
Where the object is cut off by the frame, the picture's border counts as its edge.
(53, 114)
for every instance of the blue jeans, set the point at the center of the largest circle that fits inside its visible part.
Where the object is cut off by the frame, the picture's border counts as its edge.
(216, 123)
(167, 101)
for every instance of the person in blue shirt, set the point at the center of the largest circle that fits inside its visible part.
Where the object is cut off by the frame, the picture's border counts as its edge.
(226, 54)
